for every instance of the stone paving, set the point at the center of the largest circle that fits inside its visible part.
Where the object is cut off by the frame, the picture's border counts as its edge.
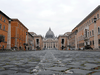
(50, 62)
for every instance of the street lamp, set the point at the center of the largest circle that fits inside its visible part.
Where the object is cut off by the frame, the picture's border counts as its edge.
(95, 19)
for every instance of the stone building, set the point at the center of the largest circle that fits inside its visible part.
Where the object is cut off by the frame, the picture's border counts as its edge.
(72, 39)
(88, 31)
(62, 42)
(38, 42)
(30, 41)
(19, 35)
(50, 41)
(5, 31)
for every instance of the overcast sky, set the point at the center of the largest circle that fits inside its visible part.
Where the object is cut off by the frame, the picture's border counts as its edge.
(38, 15)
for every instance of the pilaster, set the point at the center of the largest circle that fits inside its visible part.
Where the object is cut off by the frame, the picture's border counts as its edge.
(9, 36)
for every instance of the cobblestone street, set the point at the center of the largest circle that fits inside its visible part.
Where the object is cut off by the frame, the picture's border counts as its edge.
(50, 62)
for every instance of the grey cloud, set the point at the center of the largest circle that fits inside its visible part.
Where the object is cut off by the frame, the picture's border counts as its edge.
(39, 15)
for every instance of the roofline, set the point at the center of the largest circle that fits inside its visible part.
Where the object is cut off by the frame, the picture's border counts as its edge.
(5, 15)
(62, 36)
(30, 34)
(96, 9)
(38, 36)
(20, 22)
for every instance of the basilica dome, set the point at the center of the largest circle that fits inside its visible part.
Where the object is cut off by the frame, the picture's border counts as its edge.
(49, 34)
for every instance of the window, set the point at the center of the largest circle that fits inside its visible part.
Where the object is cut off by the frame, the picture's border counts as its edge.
(90, 42)
(93, 42)
(99, 41)
(4, 20)
(98, 16)
(4, 38)
(0, 26)
(98, 30)
(88, 34)
(92, 20)
(3, 27)
(92, 32)
(1, 18)
(89, 21)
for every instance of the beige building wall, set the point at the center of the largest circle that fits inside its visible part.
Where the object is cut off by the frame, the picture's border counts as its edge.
(40, 44)
(87, 24)
(60, 42)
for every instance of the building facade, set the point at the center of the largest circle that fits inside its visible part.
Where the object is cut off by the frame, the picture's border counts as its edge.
(50, 41)
(62, 42)
(19, 35)
(38, 42)
(16, 35)
(30, 42)
(72, 39)
(5, 31)
(88, 31)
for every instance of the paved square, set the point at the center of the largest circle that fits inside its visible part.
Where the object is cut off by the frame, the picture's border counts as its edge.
(50, 62)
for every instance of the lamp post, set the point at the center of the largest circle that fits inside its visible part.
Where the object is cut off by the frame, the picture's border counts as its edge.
(95, 35)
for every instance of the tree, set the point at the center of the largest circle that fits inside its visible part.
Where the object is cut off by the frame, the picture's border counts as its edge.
(1, 38)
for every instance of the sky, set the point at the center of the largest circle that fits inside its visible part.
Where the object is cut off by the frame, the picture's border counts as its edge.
(40, 15)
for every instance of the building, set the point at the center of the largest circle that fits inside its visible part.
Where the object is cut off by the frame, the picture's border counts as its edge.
(88, 31)
(19, 35)
(30, 41)
(50, 41)
(5, 31)
(38, 42)
(72, 39)
(62, 42)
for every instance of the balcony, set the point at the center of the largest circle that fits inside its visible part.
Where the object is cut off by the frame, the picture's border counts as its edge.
(86, 38)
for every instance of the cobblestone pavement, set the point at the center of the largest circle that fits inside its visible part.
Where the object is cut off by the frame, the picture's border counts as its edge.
(50, 62)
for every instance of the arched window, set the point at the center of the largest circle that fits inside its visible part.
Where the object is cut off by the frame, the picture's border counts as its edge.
(3, 27)
(92, 32)
(98, 30)
(0, 26)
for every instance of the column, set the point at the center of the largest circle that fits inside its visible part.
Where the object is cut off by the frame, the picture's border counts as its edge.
(55, 45)
(26, 40)
(46, 45)
(52, 44)
(95, 37)
(9, 36)
(67, 43)
(16, 37)
(75, 42)
(43, 45)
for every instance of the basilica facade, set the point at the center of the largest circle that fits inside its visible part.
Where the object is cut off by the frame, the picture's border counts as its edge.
(50, 41)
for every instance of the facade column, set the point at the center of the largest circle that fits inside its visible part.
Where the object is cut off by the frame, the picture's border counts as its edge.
(26, 40)
(46, 45)
(52, 45)
(67, 43)
(9, 36)
(16, 37)
(95, 36)
(43, 45)
(75, 42)
(55, 45)
(26, 37)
